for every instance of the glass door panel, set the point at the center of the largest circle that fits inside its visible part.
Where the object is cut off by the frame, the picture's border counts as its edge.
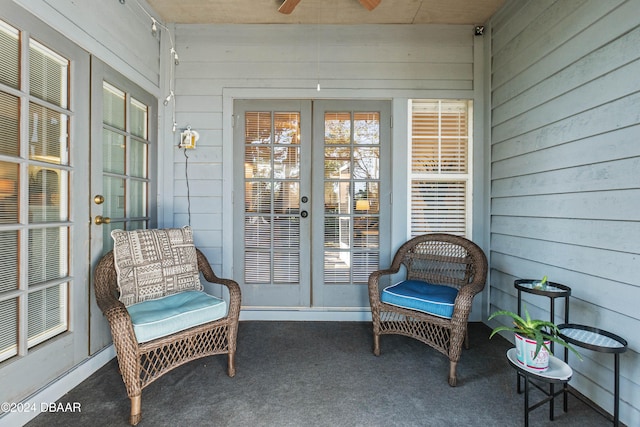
(124, 126)
(350, 138)
(273, 141)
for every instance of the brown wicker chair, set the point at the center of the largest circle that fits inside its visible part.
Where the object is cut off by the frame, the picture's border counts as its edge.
(143, 363)
(439, 259)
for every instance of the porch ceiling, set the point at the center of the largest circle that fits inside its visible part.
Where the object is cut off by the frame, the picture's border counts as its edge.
(348, 12)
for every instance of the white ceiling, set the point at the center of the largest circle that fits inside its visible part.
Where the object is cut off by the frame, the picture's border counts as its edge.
(472, 12)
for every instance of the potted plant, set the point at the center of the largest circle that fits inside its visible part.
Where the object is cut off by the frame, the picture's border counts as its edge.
(532, 337)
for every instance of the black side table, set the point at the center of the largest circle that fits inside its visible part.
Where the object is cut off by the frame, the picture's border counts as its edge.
(552, 291)
(558, 373)
(600, 341)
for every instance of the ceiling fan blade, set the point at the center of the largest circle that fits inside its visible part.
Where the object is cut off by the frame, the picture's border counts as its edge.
(287, 6)
(370, 4)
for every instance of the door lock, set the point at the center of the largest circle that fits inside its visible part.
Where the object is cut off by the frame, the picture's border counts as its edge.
(102, 220)
(304, 214)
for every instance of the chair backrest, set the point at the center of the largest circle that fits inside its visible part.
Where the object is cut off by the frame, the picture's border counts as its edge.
(444, 259)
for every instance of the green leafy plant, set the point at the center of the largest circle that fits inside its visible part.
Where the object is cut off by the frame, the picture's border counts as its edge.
(534, 329)
(542, 284)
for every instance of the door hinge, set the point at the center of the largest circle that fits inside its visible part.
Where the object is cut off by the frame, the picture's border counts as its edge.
(391, 121)
(233, 120)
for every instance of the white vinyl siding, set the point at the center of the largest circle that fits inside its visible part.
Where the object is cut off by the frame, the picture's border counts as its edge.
(440, 162)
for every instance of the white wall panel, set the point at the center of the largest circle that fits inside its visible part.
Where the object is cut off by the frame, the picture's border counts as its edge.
(565, 180)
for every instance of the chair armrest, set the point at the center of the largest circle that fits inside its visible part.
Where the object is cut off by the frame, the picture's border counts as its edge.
(106, 285)
(374, 283)
(464, 300)
(235, 294)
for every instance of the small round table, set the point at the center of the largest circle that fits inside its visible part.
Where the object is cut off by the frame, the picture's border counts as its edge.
(551, 290)
(603, 342)
(558, 373)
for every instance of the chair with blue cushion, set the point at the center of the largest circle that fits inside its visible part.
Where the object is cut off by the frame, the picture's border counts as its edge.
(160, 316)
(442, 273)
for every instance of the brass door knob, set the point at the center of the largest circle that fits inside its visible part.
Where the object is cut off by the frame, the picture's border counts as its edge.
(98, 199)
(102, 220)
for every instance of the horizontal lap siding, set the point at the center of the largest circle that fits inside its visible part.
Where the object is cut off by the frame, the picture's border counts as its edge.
(565, 176)
(377, 60)
(115, 33)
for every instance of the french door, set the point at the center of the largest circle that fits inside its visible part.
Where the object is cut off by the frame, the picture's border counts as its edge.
(123, 153)
(44, 106)
(312, 200)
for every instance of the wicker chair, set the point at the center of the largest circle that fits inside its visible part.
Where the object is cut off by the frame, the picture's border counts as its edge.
(438, 259)
(143, 363)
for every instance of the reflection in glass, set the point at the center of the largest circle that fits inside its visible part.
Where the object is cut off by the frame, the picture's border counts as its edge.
(366, 163)
(113, 146)
(47, 313)
(48, 133)
(9, 124)
(114, 197)
(272, 197)
(47, 254)
(366, 128)
(337, 128)
(47, 194)
(8, 193)
(10, 70)
(48, 75)
(138, 199)
(9, 328)
(113, 106)
(351, 196)
(138, 158)
(8, 261)
(139, 117)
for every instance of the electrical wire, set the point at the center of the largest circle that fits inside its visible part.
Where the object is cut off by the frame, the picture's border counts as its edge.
(175, 60)
(186, 175)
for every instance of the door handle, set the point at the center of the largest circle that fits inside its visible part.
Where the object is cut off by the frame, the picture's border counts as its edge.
(102, 220)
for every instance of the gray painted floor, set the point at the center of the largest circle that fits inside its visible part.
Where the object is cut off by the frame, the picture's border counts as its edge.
(324, 374)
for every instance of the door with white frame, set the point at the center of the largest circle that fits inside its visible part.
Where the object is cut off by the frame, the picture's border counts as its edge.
(311, 201)
(123, 152)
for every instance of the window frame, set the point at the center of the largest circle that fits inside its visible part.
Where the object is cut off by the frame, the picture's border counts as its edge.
(439, 177)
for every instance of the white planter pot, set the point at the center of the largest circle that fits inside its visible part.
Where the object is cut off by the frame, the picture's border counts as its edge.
(525, 350)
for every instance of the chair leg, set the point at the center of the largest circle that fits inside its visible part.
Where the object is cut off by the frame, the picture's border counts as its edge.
(136, 413)
(232, 365)
(376, 344)
(452, 373)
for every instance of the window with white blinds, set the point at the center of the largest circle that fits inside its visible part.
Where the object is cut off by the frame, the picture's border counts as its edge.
(34, 172)
(440, 174)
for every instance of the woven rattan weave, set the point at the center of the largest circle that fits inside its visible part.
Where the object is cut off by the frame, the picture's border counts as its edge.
(440, 259)
(142, 363)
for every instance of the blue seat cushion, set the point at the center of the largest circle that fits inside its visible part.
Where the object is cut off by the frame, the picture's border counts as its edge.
(173, 313)
(421, 296)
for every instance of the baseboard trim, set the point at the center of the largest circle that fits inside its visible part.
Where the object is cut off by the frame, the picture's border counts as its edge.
(58, 388)
(300, 315)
